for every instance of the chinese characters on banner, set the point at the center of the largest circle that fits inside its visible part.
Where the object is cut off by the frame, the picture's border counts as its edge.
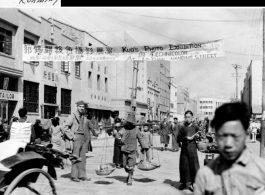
(170, 52)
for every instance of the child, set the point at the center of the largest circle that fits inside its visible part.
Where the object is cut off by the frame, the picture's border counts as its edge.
(146, 143)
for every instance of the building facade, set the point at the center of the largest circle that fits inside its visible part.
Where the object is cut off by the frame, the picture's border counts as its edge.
(158, 73)
(121, 77)
(92, 78)
(207, 106)
(252, 90)
(47, 89)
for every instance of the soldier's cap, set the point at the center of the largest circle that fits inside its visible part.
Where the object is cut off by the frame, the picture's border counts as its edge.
(81, 102)
(117, 120)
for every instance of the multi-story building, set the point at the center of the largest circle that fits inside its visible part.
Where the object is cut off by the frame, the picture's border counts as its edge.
(158, 74)
(92, 79)
(252, 90)
(207, 106)
(173, 101)
(121, 77)
(183, 101)
(47, 89)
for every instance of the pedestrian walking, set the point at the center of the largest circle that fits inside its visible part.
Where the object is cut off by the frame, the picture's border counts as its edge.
(129, 146)
(146, 142)
(76, 127)
(56, 133)
(175, 131)
(117, 134)
(235, 170)
(164, 129)
(254, 130)
(189, 162)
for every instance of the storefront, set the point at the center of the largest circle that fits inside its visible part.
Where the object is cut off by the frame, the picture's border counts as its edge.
(98, 113)
(8, 103)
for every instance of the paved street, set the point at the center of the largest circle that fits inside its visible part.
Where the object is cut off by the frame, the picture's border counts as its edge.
(163, 180)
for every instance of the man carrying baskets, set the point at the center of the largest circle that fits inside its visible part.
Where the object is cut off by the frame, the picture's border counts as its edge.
(129, 146)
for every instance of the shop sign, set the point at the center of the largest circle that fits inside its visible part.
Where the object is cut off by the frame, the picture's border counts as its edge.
(49, 75)
(8, 95)
(6, 80)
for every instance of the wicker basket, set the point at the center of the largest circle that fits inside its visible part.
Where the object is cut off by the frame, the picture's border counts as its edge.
(105, 169)
(145, 166)
(202, 146)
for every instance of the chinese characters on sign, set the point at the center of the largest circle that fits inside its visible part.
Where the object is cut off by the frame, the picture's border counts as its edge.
(170, 52)
(48, 75)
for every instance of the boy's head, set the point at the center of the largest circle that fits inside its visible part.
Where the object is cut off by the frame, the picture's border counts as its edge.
(231, 122)
(22, 112)
(145, 128)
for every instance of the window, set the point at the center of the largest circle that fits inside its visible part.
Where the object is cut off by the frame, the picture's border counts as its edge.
(105, 70)
(98, 82)
(106, 84)
(65, 101)
(89, 79)
(5, 41)
(50, 94)
(31, 96)
(77, 69)
(65, 67)
(49, 64)
(30, 42)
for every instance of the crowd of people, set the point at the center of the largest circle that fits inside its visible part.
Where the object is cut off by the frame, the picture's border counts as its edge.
(235, 166)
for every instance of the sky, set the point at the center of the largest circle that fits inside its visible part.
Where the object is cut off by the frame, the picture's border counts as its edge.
(241, 29)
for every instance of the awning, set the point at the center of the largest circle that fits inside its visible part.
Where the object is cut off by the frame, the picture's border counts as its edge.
(47, 104)
(11, 71)
(98, 107)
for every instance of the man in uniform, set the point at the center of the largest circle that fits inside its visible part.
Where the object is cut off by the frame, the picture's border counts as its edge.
(76, 127)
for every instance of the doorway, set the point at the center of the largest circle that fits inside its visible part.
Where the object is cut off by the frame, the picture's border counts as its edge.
(49, 112)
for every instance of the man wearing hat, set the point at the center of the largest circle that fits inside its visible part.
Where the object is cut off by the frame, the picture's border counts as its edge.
(129, 146)
(165, 129)
(117, 134)
(76, 127)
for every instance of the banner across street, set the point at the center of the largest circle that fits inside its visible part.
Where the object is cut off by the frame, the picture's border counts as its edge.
(170, 52)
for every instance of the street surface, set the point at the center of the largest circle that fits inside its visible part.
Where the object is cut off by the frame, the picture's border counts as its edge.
(163, 180)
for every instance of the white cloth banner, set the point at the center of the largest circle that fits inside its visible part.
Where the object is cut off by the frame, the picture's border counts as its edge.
(170, 52)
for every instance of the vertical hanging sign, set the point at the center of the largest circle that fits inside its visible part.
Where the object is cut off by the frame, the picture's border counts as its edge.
(6, 81)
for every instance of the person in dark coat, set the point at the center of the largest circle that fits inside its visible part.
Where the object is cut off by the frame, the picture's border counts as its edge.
(129, 146)
(175, 132)
(189, 162)
(117, 134)
(164, 129)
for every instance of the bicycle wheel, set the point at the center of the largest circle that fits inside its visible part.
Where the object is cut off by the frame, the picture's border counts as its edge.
(32, 182)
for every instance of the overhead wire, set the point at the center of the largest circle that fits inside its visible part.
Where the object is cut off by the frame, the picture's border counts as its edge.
(114, 37)
(137, 28)
(181, 19)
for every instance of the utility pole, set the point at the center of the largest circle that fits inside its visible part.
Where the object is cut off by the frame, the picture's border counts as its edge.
(237, 76)
(169, 86)
(134, 86)
(262, 143)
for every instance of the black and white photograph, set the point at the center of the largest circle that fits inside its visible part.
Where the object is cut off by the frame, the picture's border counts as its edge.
(131, 100)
